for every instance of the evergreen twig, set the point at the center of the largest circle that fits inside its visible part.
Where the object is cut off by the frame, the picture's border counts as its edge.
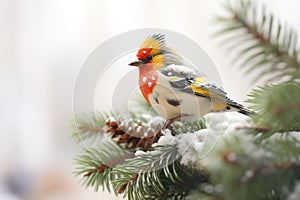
(257, 169)
(157, 175)
(267, 45)
(95, 164)
(90, 126)
(277, 107)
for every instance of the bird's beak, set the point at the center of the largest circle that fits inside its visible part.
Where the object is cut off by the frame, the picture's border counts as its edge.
(136, 63)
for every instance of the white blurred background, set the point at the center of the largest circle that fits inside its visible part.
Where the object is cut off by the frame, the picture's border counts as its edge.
(43, 45)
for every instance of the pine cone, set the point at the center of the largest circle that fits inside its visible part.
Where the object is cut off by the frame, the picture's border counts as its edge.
(134, 135)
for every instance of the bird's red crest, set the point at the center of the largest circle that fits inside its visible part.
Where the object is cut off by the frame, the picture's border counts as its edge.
(143, 53)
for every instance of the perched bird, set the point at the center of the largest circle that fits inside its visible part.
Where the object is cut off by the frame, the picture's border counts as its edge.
(174, 88)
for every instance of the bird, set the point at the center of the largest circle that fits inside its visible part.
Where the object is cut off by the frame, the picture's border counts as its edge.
(174, 88)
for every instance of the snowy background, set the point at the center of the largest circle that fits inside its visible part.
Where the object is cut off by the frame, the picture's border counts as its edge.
(43, 46)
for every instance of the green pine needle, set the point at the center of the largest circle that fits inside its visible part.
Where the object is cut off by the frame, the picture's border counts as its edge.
(249, 170)
(95, 164)
(277, 106)
(187, 127)
(90, 126)
(156, 175)
(268, 45)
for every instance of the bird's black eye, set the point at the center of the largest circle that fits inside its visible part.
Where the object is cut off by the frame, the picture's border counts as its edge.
(148, 59)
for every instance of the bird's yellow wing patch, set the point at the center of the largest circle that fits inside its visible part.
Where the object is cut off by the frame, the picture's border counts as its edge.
(218, 99)
(173, 78)
(207, 93)
(200, 90)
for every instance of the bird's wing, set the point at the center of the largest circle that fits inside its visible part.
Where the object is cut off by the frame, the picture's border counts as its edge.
(198, 86)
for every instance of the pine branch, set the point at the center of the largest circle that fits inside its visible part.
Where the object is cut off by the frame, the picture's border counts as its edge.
(266, 45)
(156, 175)
(265, 169)
(90, 126)
(100, 169)
(250, 170)
(99, 166)
(277, 107)
(256, 129)
(95, 164)
(186, 127)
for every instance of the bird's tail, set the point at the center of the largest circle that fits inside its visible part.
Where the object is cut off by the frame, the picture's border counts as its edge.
(246, 111)
(239, 108)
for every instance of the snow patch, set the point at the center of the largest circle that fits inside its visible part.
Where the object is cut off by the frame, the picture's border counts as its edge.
(193, 146)
(180, 69)
(111, 119)
(189, 146)
(138, 129)
(139, 153)
(166, 139)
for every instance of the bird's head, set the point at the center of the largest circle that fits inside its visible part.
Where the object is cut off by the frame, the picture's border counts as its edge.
(152, 52)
